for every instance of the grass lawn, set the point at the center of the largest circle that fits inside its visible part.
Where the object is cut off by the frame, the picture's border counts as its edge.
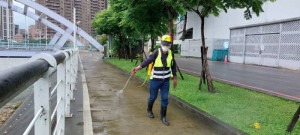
(236, 106)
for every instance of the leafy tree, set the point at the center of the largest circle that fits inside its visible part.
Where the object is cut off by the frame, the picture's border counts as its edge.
(204, 8)
(108, 22)
(172, 9)
(105, 23)
(147, 17)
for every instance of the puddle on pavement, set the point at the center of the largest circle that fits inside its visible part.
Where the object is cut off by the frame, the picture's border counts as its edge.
(126, 114)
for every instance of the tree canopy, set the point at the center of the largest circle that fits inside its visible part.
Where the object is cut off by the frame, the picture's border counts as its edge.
(137, 19)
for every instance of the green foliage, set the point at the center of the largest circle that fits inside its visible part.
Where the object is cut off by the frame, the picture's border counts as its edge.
(147, 17)
(214, 7)
(108, 22)
(236, 106)
(175, 48)
(103, 39)
(129, 21)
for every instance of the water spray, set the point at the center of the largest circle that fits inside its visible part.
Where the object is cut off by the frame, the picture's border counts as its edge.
(122, 90)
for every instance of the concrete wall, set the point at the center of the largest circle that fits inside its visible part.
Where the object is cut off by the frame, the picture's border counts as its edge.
(218, 27)
(191, 48)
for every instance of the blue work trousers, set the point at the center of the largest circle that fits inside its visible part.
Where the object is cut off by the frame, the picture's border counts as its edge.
(164, 87)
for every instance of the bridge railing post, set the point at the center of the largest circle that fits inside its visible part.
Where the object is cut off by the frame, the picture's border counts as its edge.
(42, 97)
(61, 95)
(72, 75)
(76, 62)
(75, 69)
(41, 100)
(68, 85)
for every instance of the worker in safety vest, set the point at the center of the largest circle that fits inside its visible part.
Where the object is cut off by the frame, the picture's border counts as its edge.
(163, 69)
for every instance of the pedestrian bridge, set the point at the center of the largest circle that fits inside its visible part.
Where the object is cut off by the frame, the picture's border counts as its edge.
(58, 40)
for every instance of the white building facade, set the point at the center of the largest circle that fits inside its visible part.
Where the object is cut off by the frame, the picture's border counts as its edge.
(268, 27)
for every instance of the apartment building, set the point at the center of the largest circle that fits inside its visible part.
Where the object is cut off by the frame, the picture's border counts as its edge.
(3, 24)
(85, 12)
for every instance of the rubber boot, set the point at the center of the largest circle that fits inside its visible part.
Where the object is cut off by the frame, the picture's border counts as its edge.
(163, 117)
(149, 110)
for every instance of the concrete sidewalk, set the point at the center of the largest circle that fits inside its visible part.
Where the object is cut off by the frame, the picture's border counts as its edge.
(279, 82)
(126, 114)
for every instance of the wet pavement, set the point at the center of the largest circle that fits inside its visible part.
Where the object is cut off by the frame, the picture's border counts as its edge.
(274, 81)
(126, 114)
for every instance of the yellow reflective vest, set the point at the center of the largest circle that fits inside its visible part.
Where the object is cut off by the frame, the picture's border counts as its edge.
(159, 72)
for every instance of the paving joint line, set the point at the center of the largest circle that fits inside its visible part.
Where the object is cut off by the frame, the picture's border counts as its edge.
(87, 117)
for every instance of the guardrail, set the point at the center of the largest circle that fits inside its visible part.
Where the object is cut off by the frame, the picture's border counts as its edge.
(26, 46)
(34, 46)
(38, 71)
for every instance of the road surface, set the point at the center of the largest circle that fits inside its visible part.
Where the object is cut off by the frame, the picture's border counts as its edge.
(278, 82)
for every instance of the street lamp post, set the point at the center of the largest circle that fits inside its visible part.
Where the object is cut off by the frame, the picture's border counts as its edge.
(46, 37)
(74, 25)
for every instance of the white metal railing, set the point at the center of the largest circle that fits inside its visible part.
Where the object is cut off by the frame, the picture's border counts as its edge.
(66, 79)
(33, 121)
(55, 88)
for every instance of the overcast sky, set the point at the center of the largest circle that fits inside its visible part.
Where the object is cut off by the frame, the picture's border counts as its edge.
(19, 19)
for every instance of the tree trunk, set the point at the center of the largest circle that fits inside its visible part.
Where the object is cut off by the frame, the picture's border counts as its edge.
(119, 53)
(207, 72)
(172, 32)
(170, 15)
(131, 55)
(152, 43)
(184, 27)
(142, 51)
(294, 121)
(125, 53)
(202, 62)
(205, 67)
